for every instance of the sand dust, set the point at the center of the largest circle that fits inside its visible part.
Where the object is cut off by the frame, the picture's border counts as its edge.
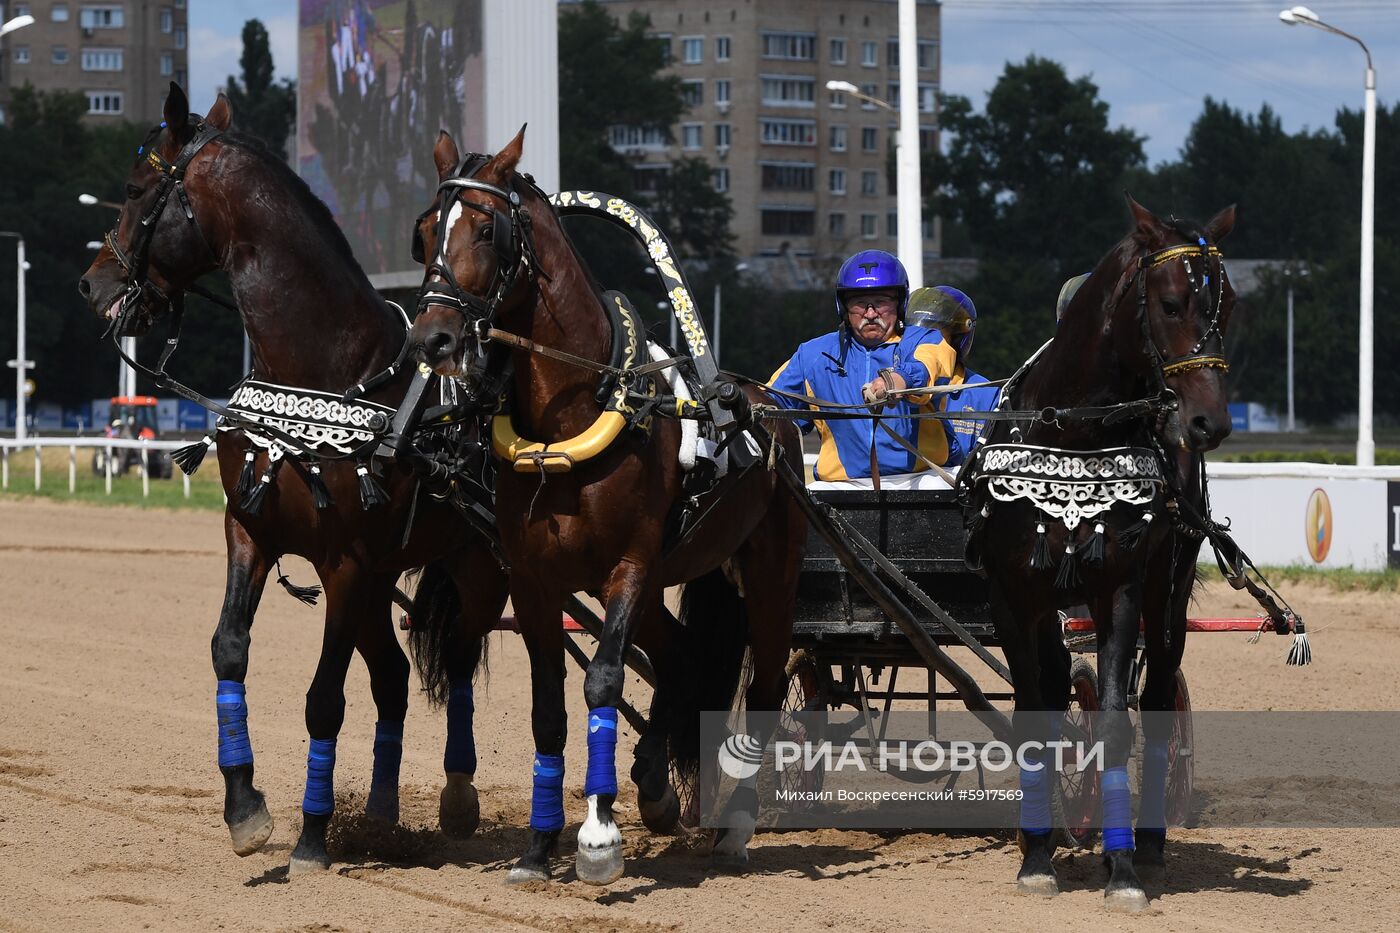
(110, 801)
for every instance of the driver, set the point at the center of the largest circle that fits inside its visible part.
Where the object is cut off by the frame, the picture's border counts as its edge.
(953, 314)
(870, 354)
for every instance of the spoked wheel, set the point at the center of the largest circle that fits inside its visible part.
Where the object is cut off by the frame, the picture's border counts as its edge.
(685, 783)
(1180, 758)
(1077, 793)
(808, 698)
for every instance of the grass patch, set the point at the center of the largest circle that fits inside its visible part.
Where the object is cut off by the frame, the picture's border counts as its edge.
(1338, 579)
(1385, 456)
(206, 492)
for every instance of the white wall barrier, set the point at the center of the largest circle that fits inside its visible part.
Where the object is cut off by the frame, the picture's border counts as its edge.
(10, 451)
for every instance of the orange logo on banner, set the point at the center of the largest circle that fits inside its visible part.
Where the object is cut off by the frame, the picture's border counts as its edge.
(1318, 525)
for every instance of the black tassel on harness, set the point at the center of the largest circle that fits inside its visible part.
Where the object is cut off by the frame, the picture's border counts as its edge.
(1129, 538)
(189, 457)
(1093, 548)
(1040, 557)
(320, 495)
(306, 594)
(252, 503)
(978, 519)
(371, 493)
(1068, 574)
(247, 478)
(1300, 652)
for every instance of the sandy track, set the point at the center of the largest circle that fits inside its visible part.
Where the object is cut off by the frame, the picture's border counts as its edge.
(110, 800)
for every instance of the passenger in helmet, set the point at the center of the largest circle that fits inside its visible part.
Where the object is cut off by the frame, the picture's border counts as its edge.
(871, 354)
(1067, 292)
(951, 312)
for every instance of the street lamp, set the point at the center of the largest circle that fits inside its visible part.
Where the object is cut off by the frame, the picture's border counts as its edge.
(19, 363)
(1365, 440)
(714, 344)
(19, 22)
(91, 200)
(909, 213)
(1292, 274)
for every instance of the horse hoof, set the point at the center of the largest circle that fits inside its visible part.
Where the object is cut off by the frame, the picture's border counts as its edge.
(1125, 900)
(661, 816)
(300, 866)
(459, 808)
(730, 863)
(1038, 885)
(251, 834)
(384, 807)
(599, 865)
(523, 874)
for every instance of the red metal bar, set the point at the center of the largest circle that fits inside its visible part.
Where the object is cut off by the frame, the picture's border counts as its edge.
(508, 624)
(1192, 625)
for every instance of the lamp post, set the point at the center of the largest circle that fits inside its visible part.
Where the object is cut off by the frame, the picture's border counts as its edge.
(19, 22)
(1365, 440)
(908, 208)
(714, 343)
(126, 376)
(1291, 275)
(19, 363)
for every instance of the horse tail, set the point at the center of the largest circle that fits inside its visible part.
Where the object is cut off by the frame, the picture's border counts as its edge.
(435, 636)
(714, 634)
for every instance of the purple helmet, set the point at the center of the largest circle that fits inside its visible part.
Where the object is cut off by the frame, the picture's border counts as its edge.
(948, 309)
(871, 268)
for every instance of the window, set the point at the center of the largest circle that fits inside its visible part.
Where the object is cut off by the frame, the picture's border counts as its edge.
(928, 98)
(21, 55)
(838, 51)
(179, 37)
(786, 91)
(179, 4)
(692, 135)
(793, 46)
(892, 94)
(722, 91)
(892, 224)
(636, 137)
(59, 13)
(869, 181)
(59, 55)
(167, 20)
(788, 221)
(869, 139)
(928, 54)
(838, 138)
(663, 42)
(692, 49)
(869, 90)
(21, 9)
(928, 139)
(101, 17)
(721, 179)
(104, 102)
(102, 59)
(836, 224)
(649, 177)
(869, 54)
(167, 64)
(836, 100)
(788, 132)
(181, 78)
(787, 176)
(722, 135)
(693, 93)
(869, 226)
(892, 53)
(721, 48)
(836, 181)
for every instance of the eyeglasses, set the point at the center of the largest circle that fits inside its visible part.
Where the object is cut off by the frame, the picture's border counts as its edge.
(856, 304)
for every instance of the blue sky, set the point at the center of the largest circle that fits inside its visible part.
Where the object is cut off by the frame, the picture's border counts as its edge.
(1154, 60)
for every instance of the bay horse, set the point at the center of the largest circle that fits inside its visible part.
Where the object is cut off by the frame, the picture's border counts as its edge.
(201, 198)
(498, 257)
(1144, 335)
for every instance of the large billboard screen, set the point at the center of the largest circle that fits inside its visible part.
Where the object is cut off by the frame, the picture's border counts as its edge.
(377, 80)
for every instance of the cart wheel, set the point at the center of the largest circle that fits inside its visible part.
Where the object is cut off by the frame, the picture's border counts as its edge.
(1076, 796)
(687, 784)
(808, 699)
(1180, 758)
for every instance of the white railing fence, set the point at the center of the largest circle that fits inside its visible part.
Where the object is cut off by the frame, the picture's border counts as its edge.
(9, 448)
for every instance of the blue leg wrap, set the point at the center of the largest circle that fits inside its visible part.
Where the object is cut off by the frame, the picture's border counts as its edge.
(602, 752)
(388, 753)
(1035, 800)
(320, 778)
(460, 755)
(1152, 809)
(547, 801)
(1117, 810)
(234, 746)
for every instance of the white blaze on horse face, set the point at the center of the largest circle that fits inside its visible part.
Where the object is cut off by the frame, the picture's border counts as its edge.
(453, 215)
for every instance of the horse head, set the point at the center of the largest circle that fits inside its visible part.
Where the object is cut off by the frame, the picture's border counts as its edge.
(1166, 321)
(474, 245)
(159, 244)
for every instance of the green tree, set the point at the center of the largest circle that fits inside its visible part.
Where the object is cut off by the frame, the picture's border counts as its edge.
(262, 107)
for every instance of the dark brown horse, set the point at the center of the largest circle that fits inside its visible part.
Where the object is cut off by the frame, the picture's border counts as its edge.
(1148, 324)
(600, 527)
(210, 200)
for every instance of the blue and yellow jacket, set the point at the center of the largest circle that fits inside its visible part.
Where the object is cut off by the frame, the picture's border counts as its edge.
(965, 433)
(823, 368)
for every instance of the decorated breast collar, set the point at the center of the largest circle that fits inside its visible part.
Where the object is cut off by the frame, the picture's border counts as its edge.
(1067, 485)
(324, 423)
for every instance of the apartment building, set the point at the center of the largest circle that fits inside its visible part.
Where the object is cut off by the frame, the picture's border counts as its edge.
(121, 54)
(809, 170)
